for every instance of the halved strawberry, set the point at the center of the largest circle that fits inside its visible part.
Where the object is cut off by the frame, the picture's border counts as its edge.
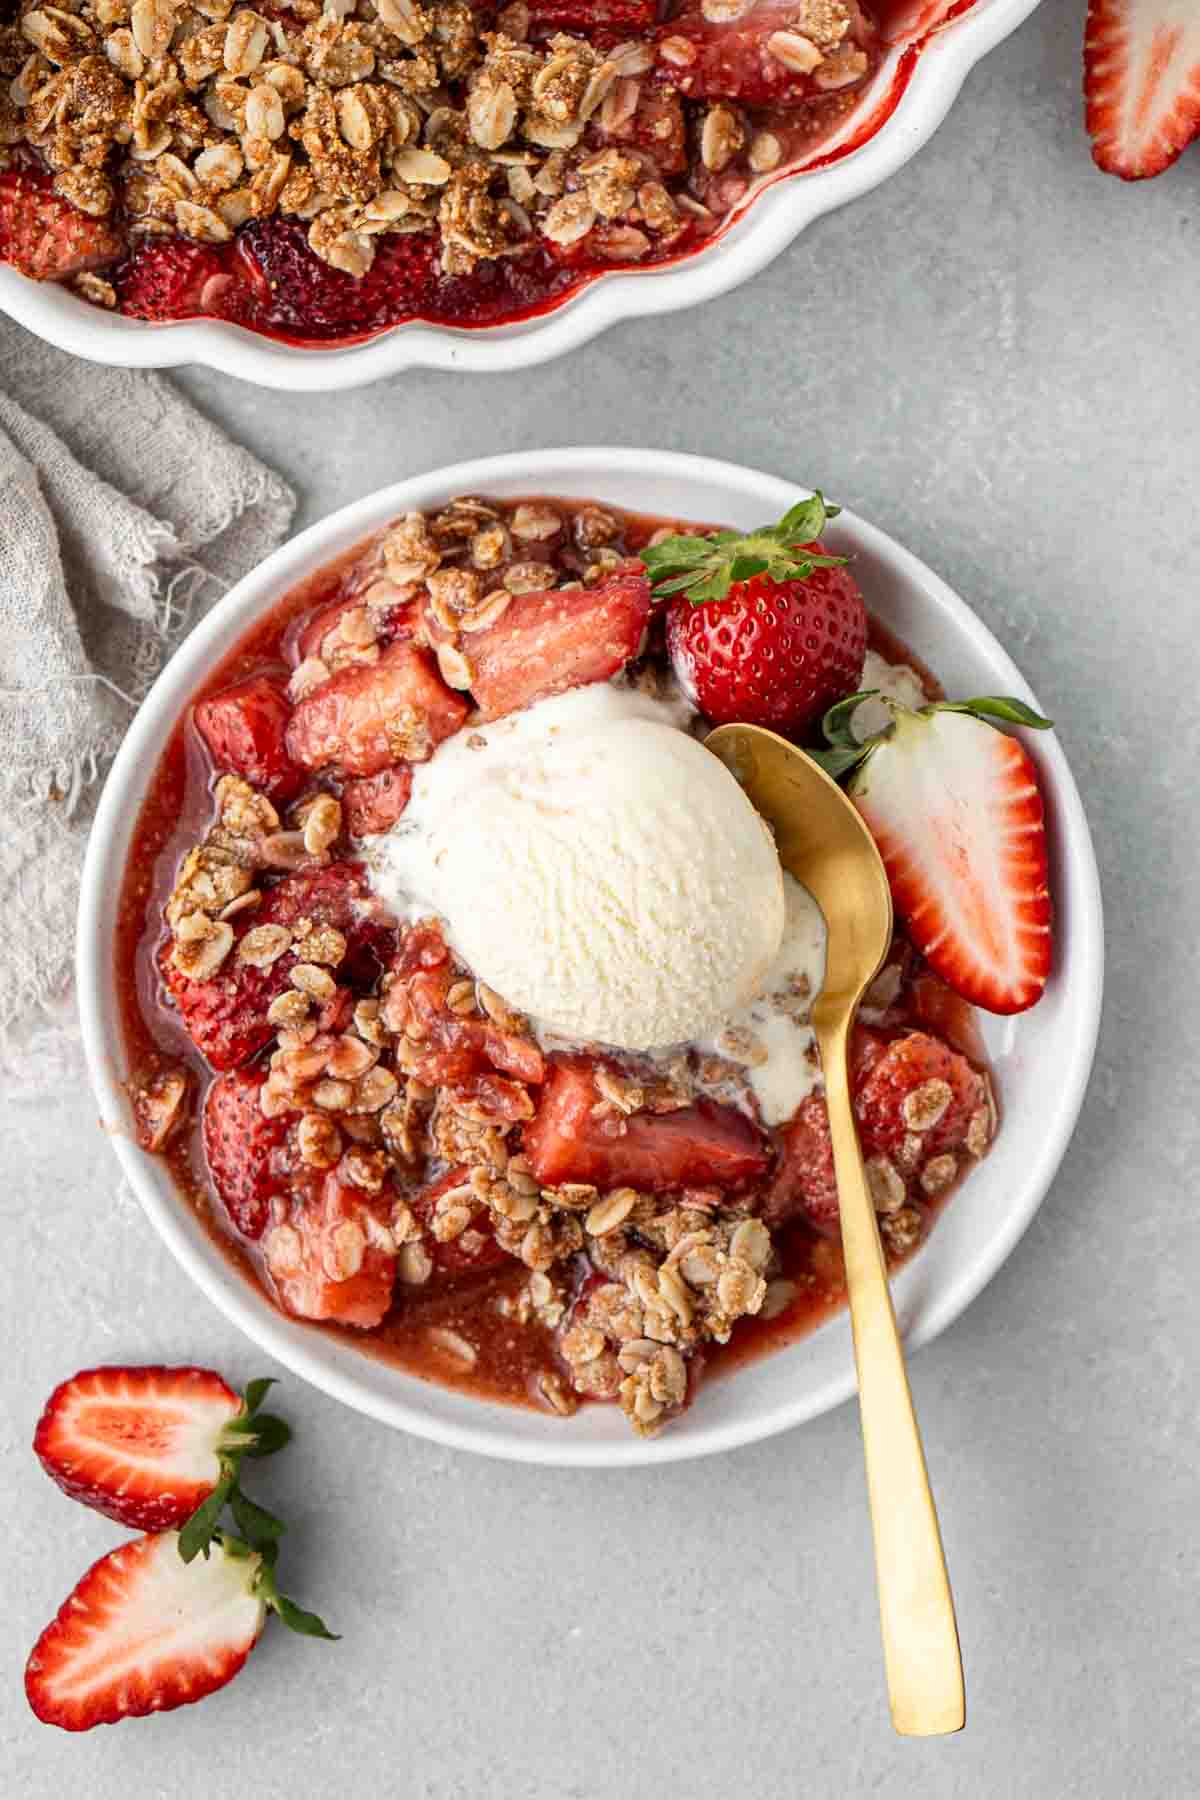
(374, 802)
(697, 1146)
(1141, 63)
(546, 642)
(143, 1446)
(761, 55)
(764, 628)
(331, 1260)
(244, 1149)
(474, 1249)
(46, 238)
(956, 811)
(146, 1632)
(245, 728)
(364, 719)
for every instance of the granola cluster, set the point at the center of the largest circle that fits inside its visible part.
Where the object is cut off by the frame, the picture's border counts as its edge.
(368, 117)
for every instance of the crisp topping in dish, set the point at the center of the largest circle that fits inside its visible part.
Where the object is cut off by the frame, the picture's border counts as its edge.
(322, 171)
(380, 1067)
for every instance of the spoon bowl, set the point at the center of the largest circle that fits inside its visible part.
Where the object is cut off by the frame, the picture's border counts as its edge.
(823, 841)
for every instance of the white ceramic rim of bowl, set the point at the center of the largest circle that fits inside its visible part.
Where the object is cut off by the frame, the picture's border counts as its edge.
(660, 481)
(768, 225)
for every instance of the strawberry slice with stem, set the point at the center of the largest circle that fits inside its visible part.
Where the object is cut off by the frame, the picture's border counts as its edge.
(150, 1447)
(147, 1630)
(954, 806)
(1141, 79)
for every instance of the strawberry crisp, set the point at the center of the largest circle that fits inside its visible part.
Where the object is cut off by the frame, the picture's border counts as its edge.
(323, 171)
(463, 989)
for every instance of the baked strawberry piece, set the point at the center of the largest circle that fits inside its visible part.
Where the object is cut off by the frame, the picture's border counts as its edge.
(245, 729)
(334, 1258)
(226, 1013)
(769, 53)
(374, 802)
(920, 1107)
(366, 719)
(451, 1041)
(626, 16)
(45, 237)
(246, 1152)
(545, 643)
(693, 1146)
(462, 1239)
(177, 278)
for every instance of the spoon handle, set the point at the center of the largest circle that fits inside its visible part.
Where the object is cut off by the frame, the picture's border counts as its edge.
(920, 1637)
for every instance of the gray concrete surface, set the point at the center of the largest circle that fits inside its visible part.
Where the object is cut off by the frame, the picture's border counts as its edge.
(995, 356)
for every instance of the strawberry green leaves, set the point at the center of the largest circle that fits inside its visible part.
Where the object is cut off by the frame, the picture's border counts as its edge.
(705, 568)
(846, 751)
(252, 1433)
(256, 1434)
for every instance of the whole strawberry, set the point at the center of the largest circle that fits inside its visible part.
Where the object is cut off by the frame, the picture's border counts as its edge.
(764, 629)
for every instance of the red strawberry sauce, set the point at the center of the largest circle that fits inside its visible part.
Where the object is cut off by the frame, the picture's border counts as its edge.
(174, 816)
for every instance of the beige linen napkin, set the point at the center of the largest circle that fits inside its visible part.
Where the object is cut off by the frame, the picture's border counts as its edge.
(123, 516)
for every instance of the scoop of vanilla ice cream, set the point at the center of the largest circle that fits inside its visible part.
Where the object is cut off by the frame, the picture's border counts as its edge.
(613, 881)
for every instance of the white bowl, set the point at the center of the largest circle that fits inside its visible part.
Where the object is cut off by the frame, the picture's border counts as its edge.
(1042, 1059)
(756, 233)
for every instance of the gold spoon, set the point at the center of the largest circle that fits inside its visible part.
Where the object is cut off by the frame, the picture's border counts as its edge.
(824, 843)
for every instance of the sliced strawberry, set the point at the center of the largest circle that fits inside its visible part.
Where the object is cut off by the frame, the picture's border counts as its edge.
(330, 1261)
(364, 719)
(955, 809)
(696, 1146)
(1141, 62)
(475, 1248)
(547, 642)
(245, 1151)
(145, 1632)
(759, 54)
(245, 728)
(140, 1445)
(374, 802)
(46, 238)
(226, 1016)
